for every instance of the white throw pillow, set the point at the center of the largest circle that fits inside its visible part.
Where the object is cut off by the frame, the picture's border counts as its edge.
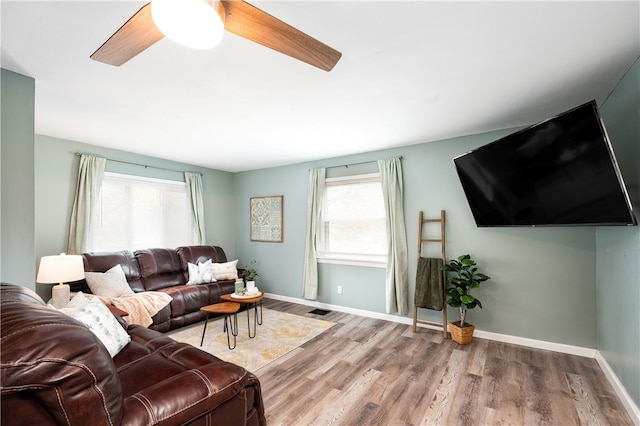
(78, 301)
(201, 273)
(225, 271)
(99, 319)
(110, 284)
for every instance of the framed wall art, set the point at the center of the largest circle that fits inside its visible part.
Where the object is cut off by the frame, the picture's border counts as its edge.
(266, 218)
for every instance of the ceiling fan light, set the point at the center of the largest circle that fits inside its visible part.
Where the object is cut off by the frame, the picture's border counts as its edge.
(198, 24)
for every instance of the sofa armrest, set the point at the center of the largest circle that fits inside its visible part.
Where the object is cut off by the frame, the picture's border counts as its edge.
(54, 369)
(223, 392)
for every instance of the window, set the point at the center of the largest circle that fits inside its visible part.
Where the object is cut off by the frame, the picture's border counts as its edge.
(353, 228)
(134, 213)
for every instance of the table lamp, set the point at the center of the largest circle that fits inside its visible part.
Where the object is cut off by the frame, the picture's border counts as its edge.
(60, 269)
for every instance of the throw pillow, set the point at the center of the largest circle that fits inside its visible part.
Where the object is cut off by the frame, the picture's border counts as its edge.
(77, 302)
(99, 319)
(110, 284)
(201, 273)
(225, 271)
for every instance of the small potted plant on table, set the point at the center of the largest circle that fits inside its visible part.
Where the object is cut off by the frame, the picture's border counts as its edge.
(250, 274)
(466, 278)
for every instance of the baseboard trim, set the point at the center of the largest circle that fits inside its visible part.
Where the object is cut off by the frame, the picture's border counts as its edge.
(522, 341)
(631, 407)
(538, 344)
(621, 391)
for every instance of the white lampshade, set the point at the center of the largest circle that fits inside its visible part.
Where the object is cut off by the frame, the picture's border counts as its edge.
(198, 24)
(60, 269)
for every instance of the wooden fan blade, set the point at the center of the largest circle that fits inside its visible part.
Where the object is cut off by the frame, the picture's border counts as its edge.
(137, 34)
(254, 24)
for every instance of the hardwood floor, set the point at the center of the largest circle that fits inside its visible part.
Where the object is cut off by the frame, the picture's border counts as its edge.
(365, 371)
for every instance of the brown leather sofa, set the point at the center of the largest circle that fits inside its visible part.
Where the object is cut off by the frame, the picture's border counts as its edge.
(53, 370)
(166, 270)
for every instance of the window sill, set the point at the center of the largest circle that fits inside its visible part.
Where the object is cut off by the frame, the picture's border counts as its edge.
(366, 261)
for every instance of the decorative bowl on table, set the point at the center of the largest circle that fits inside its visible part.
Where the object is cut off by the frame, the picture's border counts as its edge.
(246, 294)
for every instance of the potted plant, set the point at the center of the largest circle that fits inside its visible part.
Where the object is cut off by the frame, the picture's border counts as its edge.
(250, 274)
(466, 278)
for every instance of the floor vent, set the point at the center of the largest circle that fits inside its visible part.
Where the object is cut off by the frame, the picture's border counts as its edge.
(319, 312)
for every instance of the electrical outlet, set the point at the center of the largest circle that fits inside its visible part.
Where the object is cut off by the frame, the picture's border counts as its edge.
(339, 289)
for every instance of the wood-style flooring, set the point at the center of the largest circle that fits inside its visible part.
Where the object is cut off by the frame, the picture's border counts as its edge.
(366, 371)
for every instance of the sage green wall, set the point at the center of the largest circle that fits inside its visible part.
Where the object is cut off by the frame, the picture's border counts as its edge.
(56, 174)
(17, 248)
(618, 249)
(539, 275)
(55, 182)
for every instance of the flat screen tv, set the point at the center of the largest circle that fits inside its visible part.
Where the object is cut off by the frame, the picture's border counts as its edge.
(559, 172)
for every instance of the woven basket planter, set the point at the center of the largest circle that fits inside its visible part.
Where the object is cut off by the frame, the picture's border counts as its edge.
(461, 335)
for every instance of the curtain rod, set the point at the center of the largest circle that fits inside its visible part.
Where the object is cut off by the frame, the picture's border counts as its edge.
(146, 166)
(356, 164)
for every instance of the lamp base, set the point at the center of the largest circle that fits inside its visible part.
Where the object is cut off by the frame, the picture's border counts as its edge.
(60, 295)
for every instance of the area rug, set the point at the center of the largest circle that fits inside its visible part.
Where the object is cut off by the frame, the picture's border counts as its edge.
(279, 333)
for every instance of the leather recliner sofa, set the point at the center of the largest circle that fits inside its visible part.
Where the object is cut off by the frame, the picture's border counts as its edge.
(166, 270)
(55, 371)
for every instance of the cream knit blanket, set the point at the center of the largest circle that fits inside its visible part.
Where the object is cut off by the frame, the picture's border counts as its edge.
(141, 307)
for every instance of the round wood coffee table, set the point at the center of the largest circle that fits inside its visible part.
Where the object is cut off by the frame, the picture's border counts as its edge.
(226, 308)
(250, 301)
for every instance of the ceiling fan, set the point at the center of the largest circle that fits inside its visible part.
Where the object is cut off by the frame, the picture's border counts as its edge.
(142, 30)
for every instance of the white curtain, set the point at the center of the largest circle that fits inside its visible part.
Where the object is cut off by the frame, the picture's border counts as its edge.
(397, 280)
(194, 188)
(314, 211)
(90, 174)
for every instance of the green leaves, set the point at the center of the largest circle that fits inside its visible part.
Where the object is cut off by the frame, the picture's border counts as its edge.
(466, 278)
(467, 299)
(453, 303)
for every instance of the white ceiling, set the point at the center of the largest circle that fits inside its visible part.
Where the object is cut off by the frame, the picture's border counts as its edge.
(411, 72)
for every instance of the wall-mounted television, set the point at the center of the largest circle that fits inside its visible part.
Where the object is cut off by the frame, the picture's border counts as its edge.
(559, 172)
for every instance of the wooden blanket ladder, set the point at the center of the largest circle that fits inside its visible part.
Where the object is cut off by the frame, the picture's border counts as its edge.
(421, 241)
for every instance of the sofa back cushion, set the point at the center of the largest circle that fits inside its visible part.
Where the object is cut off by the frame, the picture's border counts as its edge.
(54, 369)
(159, 268)
(103, 261)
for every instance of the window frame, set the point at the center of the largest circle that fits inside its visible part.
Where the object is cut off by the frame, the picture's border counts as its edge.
(353, 259)
(131, 180)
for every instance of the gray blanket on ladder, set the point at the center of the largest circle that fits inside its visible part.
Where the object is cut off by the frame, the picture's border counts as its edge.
(429, 284)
